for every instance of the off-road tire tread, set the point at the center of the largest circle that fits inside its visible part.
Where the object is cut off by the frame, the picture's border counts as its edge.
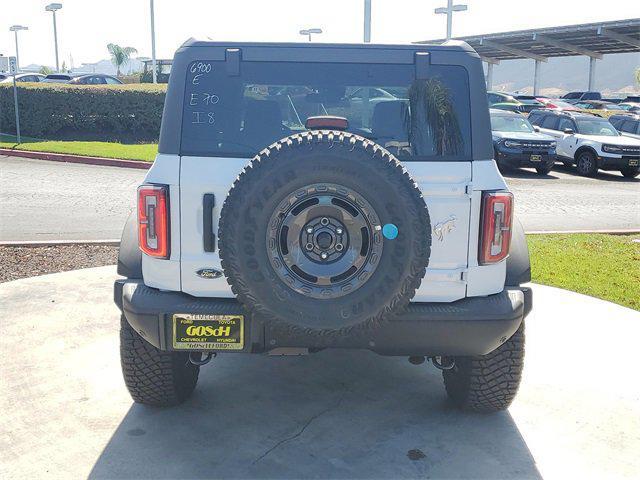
(487, 383)
(544, 170)
(267, 159)
(152, 376)
(630, 172)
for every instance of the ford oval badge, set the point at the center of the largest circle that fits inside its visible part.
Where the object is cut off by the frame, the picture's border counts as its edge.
(209, 273)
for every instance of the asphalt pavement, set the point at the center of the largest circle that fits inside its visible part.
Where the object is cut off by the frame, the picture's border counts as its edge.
(334, 414)
(43, 200)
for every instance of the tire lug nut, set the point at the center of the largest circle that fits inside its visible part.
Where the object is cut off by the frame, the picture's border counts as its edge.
(324, 255)
(310, 230)
(324, 221)
(339, 231)
(309, 246)
(339, 247)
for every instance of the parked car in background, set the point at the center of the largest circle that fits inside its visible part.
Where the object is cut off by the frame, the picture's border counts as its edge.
(633, 107)
(574, 97)
(95, 79)
(627, 125)
(598, 105)
(21, 77)
(82, 79)
(501, 97)
(589, 142)
(509, 107)
(517, 144)
(556, 104)
(58, 78)
(615, 98)
(529, 102)
(632, 98)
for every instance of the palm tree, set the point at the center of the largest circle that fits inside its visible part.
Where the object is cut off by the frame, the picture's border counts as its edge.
(120, 55)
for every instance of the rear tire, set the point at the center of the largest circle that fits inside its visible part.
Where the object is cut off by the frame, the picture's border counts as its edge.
(586, 164)
(630, 172)
(487, 383)
(154, 377)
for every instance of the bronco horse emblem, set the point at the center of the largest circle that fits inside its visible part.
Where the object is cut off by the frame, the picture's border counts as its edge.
(442, 228)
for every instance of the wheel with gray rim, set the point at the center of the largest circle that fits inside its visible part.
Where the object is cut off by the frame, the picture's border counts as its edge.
(586, 164)
(324, 231)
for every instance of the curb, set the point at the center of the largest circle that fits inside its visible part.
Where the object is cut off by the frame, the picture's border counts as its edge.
(51, 243)
(63, 157)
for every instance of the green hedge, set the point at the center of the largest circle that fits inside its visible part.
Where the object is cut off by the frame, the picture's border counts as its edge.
(106, 112)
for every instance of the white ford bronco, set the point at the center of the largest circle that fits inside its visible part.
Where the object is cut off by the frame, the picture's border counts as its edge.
(590, 142)
(320, 196)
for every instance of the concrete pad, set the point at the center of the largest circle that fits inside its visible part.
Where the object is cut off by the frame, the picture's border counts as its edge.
(66, 413)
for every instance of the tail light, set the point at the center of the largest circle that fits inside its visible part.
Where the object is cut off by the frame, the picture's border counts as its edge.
(153, 220)
(496, 218)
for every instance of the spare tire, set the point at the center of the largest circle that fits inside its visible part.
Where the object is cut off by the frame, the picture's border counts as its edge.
(324, 230)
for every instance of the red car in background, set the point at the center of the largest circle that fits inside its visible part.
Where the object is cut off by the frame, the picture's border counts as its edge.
(556, 104)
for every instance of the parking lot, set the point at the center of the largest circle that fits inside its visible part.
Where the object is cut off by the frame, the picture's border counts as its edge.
(41, 200)
(254, 416)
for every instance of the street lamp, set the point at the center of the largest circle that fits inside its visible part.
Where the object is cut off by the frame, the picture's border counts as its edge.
(15, 29)
(53, 7)
(448, 11)
(153, 44)
(367, 21)
(309, 31)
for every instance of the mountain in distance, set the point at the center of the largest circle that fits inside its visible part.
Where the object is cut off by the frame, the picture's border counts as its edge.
(615, 73)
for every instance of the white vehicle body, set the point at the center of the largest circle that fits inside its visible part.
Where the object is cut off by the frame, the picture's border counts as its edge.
(578, 133)
(452, 191)
(569, 143)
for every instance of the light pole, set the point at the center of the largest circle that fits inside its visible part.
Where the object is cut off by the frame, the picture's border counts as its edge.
(53, 7)
(448, 10)
(309, 31)
(153, 45)
(367, 21)
(15, 29)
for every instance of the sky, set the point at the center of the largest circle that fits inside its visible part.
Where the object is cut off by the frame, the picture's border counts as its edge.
(85, 27)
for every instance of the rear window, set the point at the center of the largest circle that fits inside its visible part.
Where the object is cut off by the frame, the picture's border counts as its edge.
(237, 116)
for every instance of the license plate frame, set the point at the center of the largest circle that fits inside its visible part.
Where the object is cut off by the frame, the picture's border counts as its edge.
(208, 332)
(535, 158)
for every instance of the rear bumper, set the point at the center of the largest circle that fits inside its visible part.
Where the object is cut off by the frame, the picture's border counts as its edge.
(471, 326)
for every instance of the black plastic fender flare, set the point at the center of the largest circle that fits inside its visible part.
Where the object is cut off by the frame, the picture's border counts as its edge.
(130, 256)
(518, 263)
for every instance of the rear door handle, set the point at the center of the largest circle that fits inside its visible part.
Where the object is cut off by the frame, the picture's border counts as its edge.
(208, 236)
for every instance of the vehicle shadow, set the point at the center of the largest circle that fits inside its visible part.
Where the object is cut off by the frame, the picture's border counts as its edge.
(335, 414)
(528, 174)
(609, 176)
